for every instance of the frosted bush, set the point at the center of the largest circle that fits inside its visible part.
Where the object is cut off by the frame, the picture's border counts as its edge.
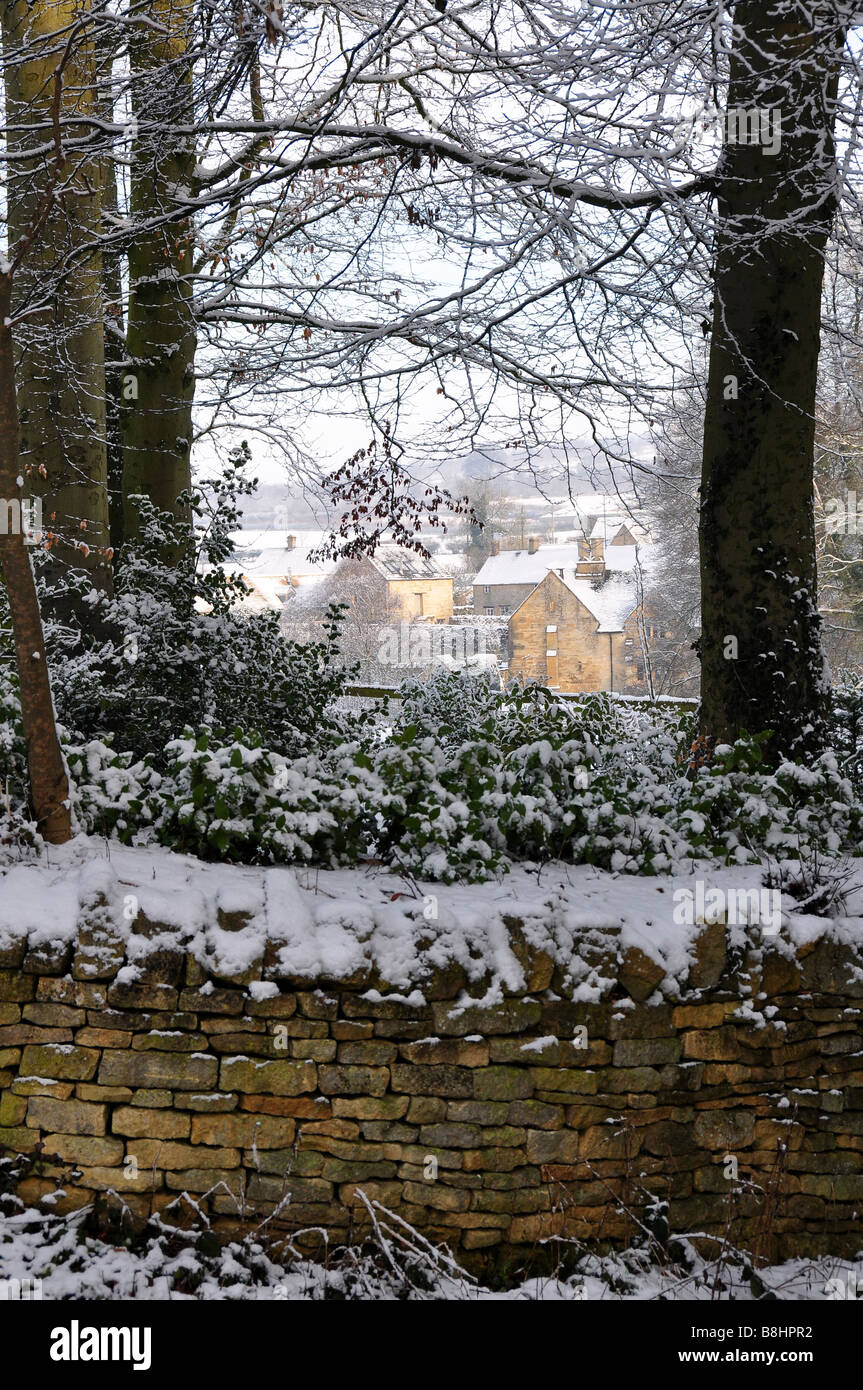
(467, 812)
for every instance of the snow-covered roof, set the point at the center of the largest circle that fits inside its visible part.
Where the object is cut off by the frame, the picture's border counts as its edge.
(277, 563)
(394, 562)
(272, 538)
(520, 567)
(265, 591)
(610, 600)
(265, 554)
(609, 526)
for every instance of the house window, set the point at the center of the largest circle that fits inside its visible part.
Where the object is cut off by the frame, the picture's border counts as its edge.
(489, 612)
(504, 608)
(420, 609)
(486, 588)
(640, 672)
(627, 641)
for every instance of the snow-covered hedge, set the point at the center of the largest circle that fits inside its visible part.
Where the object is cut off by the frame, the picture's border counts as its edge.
(466, 781)
(467, 812)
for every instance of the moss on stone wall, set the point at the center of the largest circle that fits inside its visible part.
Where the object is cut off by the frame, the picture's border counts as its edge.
(490, 1126)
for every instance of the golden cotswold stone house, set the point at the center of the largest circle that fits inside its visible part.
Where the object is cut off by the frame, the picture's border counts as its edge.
(578, 628)
(410, 586)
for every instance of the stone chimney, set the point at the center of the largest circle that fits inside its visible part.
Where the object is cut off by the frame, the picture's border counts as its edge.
(532, 545)
(290, 542)
(591, 558)
(495, 547)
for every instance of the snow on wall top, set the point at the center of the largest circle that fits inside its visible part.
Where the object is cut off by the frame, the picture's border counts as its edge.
(372, 929)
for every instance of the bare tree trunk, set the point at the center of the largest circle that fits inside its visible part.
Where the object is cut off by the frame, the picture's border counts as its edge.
(762, 664)
(49, 788)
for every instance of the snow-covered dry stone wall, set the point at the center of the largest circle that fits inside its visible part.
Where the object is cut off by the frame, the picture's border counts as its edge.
(497, 1065)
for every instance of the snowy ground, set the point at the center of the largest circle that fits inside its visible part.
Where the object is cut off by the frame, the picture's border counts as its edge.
(69, 1264)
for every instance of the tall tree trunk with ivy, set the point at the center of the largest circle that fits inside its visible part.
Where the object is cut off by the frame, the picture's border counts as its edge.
(159, 380)
(51, 73)
(115, 334)
(49, 788)
(761, 657)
